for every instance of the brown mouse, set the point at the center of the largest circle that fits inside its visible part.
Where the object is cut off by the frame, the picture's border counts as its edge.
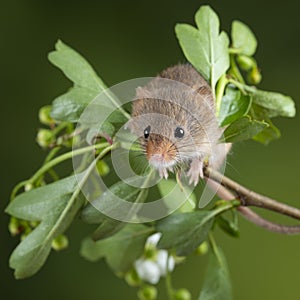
(174, 116)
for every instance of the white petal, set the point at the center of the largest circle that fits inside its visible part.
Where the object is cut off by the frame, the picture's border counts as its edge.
(147, 270)
(161, 259)
(153, 239)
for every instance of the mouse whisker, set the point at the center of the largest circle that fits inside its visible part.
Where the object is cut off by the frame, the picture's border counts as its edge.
(140, 155)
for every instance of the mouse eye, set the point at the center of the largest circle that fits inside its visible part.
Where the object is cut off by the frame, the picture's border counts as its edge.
(147, 132)
(179, 133)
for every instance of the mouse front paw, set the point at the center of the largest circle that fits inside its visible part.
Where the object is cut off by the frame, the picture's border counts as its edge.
(196, 171)
(163, 173)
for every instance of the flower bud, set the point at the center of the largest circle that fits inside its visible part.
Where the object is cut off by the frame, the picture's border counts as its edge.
(245, 62)
(182, 294)
(202, 249)
(14, 226)
(132, 278)
(44, 115)
(148, 292)
(45, 138)
(28, 186)
(60, 242)
(254, 76)
(102, 167)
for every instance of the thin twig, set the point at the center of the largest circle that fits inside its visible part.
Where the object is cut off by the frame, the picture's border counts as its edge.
(215, 183)
(250, 198)
(253, 217)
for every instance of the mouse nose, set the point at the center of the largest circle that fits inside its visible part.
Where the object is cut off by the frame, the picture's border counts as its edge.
(158, 157)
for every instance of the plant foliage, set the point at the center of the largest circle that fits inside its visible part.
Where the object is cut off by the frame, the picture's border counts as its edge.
(48, 204)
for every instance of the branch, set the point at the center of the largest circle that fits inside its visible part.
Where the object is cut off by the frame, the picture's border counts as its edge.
(250, 198)
(226, 188)
(253, 217)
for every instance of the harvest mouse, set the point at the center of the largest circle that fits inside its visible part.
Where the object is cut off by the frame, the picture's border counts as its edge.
(174, 116)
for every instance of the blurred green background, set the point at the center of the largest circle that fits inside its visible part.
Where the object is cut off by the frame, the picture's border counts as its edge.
(123, 40)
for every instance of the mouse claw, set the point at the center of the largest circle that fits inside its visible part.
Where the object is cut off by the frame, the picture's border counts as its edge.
(196, 171)
(163, 173)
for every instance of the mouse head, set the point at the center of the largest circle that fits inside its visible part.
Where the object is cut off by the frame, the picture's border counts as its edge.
(170, 136)
(161, 140)
(174, 122)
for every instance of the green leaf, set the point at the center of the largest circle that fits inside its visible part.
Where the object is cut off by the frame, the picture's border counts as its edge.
(106, 130)
(243, 38)
(69, 106)
(120, 250)
(184, 232)
(76, 68)
(242, 129)
(229, 226)
(217, 283)
(91, 214)
(107, 228)
(206, 48)
(55, 207)
(268, 135)
(165, 187)
(87, 85)
(276, 104)
(234, 105)
(271, 132)
(138, 163)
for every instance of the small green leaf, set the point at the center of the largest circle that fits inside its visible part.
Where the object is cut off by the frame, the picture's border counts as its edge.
(76, 68)
(117, 117)
(184, 232)
(69, 106)
(243, 38)
(243, 129)
(55, 207)
(234, 105)
(106, 130)
(205, 48)
(120, 250)
(228, 226)
(271, 132)
(276, 104)
(165, 187)
(217, 283)
(268, 135)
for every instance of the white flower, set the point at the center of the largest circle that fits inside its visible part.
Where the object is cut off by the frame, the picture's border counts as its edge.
(151, 269)
(153, 239)
(161, 260)
(147, 270)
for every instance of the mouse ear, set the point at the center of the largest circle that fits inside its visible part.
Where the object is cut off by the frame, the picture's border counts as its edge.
(129, 125)
(142, 93)
(202, 90)
(205, 92)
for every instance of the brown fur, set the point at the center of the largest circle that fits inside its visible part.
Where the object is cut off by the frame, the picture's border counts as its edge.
(178, 96)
